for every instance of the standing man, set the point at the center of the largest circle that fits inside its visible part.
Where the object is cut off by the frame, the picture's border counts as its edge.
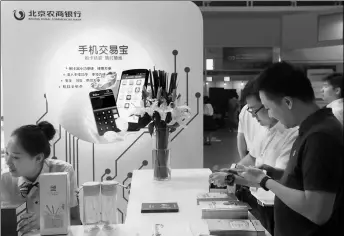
(248, 131)
(270, 151)
(309, 197)
(249, 128)
(333, 94)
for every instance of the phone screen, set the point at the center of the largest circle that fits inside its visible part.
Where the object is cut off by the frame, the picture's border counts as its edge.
(105, 110)
(100, 102)
(130, 94)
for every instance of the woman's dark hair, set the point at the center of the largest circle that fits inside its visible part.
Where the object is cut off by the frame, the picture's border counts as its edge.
(34, 139)
(282, 79)
(336, 81)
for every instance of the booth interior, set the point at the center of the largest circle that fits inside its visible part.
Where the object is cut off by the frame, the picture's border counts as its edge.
(250, 42)
(58, 56)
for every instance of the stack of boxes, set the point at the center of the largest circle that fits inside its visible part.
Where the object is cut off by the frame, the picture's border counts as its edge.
(227, 216)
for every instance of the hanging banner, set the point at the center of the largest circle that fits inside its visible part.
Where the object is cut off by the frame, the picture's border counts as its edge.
(240, 58)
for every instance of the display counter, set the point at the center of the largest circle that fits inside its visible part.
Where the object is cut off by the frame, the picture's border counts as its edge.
(183, 188)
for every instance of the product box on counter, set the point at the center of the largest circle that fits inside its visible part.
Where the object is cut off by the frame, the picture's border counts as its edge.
(216, 196)
(54, 203)
(232, 227)
(227, 189)
(11, 217)
(218, 190)
(224, 210)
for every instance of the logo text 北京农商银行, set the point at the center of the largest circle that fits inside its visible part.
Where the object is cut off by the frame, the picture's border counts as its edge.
(47, 15)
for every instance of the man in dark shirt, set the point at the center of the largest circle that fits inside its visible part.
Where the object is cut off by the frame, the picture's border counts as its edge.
(309, 198)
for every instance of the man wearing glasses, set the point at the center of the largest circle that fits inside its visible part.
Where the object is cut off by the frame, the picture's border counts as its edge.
(271, 152)
(248, 130)
(309, 198)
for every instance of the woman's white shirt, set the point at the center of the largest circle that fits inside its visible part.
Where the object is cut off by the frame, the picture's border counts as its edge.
(10, 192)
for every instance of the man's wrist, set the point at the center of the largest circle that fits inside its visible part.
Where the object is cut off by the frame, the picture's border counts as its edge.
(263, 182)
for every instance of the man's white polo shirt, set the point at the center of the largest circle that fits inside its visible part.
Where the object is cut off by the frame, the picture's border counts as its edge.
(250, 127)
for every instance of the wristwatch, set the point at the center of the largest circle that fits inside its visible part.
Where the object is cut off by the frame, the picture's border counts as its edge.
(263, 183)
(229, 179)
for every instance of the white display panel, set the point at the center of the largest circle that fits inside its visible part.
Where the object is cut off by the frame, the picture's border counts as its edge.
(38, 54)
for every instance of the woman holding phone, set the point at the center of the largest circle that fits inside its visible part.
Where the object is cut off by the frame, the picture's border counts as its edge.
(27, 155)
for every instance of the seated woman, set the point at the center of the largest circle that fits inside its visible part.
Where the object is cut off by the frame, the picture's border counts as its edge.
(27, 155)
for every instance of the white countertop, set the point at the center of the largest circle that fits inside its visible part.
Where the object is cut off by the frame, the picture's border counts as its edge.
(183, 188)
(119, 230)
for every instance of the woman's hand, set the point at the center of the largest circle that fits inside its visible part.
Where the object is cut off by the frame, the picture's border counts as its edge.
(29, 221)
(251, 174)
(218, 178)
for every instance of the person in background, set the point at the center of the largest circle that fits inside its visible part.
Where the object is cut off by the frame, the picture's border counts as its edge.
(333, 94)
(209, 123)
(309, 198)
(270, 151)
(27, 155)
(233, 111)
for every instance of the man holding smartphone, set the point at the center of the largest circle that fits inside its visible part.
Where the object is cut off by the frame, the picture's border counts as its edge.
(271, 152)
(310, 195)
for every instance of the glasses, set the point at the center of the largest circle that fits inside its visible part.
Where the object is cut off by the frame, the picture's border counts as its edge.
(256, 111)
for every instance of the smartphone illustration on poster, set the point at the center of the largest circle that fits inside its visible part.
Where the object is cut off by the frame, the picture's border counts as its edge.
(105, 110)
(131, 86)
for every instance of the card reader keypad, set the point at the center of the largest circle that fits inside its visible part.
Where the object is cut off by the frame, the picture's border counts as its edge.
(106, 120)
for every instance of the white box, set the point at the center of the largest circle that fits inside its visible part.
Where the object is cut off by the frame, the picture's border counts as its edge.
(232, 227)
(213, 196)
(224, 210)
(54, 203)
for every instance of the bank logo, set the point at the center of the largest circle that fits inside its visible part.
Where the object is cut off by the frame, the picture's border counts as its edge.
(47, 15)
(19, 15)
(53, 188)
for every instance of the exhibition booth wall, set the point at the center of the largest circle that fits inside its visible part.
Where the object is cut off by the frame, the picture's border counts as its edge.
(305, 38)
(248, 29)
(312, 29)
(51, 53)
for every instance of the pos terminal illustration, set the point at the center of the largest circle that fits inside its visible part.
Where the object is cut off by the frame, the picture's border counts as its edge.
(105, 110)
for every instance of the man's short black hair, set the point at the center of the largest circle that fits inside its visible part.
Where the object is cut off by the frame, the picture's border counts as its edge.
(282, 79)
(336, 81)
(250, 89)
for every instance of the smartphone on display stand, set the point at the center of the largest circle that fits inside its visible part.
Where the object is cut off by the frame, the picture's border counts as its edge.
(105, 110)
(130, 95)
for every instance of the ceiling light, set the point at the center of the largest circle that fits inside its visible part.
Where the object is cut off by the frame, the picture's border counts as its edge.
(210, 64)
